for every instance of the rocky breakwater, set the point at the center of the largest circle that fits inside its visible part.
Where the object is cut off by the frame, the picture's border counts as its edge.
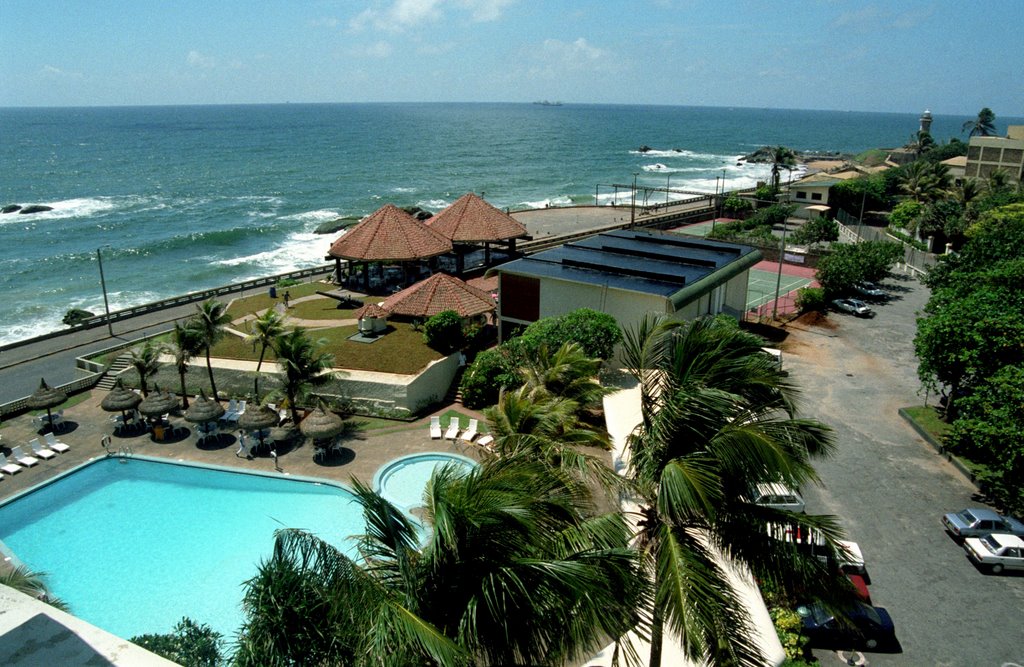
(32, 208)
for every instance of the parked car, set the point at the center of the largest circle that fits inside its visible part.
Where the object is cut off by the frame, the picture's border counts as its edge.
(860, 585)
(777, 496)
(854, 307)
(997, 552)
(870, 290)
(975, 522)
(868, 627)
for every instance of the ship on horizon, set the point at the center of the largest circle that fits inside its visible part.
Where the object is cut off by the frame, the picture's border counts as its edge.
(546, 103)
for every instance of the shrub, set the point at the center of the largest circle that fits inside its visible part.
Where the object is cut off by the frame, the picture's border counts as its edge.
(484, 378)
(190, 644)
(810, 298)
(905, 214)
(443, 332)
(789, 626)
(597, 333)
(735, 207)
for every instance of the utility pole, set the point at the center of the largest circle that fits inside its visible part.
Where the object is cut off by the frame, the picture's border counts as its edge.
(778, 279)
(632, 206)
(103, 284)
(860, 219)
(668, 185)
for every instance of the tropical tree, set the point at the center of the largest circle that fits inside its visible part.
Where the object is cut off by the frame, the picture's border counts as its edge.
(984, 125)
(781, 158)
(566, 373)
(515, 569)
(29, 582)
(263, 332)
(185, 345)
(209, 324)
(925, 181)
(303, 363)
(145, 359)
(718, 417)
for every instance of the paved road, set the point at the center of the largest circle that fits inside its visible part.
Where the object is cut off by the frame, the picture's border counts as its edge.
(891, 488)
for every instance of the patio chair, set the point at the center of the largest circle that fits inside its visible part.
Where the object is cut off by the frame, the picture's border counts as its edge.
(453, 429)
(56, 445)
(486, 442)
(40, 451)
(435, 428)
(7, 466)
(241, 408)
(470, 432)
(22, 458)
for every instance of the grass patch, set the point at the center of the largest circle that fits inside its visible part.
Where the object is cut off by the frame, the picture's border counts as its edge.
(260, 302)
(400, 350)
(325, 308)
(927, 417)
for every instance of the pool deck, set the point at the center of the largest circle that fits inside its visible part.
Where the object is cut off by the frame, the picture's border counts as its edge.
(363, 454)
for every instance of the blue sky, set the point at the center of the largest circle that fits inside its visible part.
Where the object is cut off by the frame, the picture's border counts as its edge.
(951, 57)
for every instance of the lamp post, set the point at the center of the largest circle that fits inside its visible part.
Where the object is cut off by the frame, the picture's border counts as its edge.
(668, 185)
(632, 205)
(860, 220)
(103, 284)
(778, 279)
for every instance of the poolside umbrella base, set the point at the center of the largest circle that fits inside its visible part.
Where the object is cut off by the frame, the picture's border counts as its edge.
(321, 424)
(120, 399)
(157, 404)
(204, 411)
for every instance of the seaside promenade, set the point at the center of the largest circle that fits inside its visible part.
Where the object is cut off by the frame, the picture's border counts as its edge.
(22, 366)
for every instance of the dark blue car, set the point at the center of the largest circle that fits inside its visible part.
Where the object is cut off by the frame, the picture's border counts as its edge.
(868, 628)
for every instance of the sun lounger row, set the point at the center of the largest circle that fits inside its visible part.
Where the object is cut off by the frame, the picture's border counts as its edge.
(455, 432)
(23, 459)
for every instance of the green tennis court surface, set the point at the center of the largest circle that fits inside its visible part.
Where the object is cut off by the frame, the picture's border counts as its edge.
(761, 286)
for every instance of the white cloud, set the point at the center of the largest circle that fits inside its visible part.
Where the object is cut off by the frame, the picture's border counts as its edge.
(381, 50)
(484, 10)
(872, 17)
(413, 12)
(200, 61)
(406, 14)
(572, 55)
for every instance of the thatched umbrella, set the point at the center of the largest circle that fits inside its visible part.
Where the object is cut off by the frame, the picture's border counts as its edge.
(257, 419)
(158, 403)
(120, 399)
(45, 398)
(321, 424)
(204, 410)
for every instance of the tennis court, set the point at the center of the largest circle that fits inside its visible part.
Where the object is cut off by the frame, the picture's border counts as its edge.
(761, 287)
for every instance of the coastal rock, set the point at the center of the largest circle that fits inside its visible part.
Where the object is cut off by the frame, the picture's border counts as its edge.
(35, 208)
(10, 208)
(335, 225)
(418, 213)
(76, 316)
(644, 149)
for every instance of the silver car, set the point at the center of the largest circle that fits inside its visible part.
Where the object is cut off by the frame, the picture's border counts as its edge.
(869, 290)
(997, 552)
(777, 496)
(978, 521)
(854, 307)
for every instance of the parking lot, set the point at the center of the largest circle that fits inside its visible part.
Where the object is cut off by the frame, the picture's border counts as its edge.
(890, 490)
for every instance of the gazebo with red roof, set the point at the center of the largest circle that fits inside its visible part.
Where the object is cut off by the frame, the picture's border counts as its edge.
(470, 221)
(389, 234)
(436, 294)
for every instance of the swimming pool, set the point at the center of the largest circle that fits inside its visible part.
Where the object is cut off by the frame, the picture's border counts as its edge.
(403, 480)
(133, 547)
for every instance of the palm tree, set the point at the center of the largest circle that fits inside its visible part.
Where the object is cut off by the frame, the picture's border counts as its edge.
(782, 157)
(209, 324)
(925, 181)
(303, 364)
(567, 373)
(32, 583)
(514, 570)
(263, 331)
(146, 362)
(998, 180)
(967, 191)
(185, 345)
(984, 125)
(717, 417)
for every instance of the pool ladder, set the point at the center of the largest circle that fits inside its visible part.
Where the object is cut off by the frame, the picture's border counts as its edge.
(125, 453)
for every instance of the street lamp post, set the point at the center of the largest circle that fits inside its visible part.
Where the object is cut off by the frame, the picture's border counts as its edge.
(668, 185)
(778, 279)
(103, 284)
(632, 206)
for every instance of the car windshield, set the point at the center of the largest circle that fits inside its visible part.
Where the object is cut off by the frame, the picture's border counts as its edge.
(870, 613)
(968, 517)
(990, 543)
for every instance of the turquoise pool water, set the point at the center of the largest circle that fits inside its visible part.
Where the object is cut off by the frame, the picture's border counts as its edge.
(133, 547)
(403, 480)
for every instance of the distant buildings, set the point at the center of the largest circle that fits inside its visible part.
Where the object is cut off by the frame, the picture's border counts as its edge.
(986, 154)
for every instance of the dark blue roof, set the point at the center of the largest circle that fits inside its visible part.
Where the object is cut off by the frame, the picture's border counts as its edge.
(640, 261)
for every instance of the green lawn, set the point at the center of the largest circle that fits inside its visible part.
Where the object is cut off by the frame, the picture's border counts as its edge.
(260, 302)
(399, 350)
(325, 308)
(928, 418)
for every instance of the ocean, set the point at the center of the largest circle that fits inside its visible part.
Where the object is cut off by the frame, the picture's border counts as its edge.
(183, 198)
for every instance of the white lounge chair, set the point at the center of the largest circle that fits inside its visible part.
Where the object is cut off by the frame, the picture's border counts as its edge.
(486, 441)
(470, 432)
(22, 458)
(435, 428)
(40, 451)
(231, 412)
(7, 466)
(453, 429)
(56, 445)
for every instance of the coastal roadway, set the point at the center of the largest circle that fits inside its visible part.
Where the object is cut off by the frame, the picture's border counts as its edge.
(22, 366)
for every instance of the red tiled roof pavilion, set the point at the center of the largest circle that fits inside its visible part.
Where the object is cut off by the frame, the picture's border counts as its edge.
(436, 294)
(472, 220)
(389, 234)
(370, 310)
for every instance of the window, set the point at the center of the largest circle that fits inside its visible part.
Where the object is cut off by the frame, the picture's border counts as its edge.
(816, 196)
(800, 194)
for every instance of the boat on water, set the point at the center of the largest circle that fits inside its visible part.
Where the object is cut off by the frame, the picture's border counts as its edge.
(546, 103)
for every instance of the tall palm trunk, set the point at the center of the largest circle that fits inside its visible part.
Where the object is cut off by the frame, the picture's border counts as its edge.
(209, 369)
(184, 390)
(256, 380)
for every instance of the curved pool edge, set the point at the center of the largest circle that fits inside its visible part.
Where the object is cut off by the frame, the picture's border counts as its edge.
(381, 471)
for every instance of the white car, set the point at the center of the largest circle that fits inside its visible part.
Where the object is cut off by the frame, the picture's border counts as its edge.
(997, 552)
(854, 307)
(869, 290)
(777, 496)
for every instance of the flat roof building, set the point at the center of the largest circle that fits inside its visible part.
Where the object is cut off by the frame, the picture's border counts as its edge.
(628, 274)
(986, 154)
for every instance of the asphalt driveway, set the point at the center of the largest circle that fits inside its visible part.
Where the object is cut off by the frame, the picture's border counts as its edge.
(890, 489)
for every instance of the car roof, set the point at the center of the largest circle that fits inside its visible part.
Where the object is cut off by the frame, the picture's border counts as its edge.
(1006, 540)
(983, 513)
